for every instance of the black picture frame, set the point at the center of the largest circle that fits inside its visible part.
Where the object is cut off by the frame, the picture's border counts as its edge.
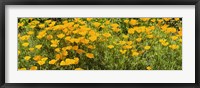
(3, 3)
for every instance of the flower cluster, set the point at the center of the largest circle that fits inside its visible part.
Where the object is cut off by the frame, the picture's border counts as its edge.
(99, 43)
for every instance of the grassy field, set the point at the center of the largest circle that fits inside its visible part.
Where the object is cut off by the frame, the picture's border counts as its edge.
(99, 43)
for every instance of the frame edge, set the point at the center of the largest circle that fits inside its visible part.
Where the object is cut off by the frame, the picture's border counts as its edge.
(2, 44)
(197, 28)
